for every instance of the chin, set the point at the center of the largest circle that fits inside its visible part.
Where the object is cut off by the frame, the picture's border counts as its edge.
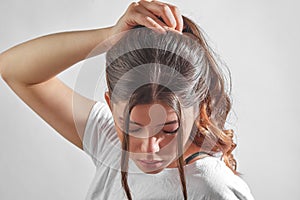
(151, 171)
(154, 172)
(151, 168)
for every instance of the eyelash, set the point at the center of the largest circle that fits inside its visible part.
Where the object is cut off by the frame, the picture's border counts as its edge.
(166, 132)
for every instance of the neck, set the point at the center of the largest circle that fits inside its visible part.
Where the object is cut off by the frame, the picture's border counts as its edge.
(193, 148)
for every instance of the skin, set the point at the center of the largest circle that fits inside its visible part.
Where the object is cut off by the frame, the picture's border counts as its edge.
(152, 134)
(31, 73)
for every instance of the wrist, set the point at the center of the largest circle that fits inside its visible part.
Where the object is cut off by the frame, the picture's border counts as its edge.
(99, 39)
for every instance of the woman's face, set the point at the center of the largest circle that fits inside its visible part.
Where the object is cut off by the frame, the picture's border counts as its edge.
(153, 132)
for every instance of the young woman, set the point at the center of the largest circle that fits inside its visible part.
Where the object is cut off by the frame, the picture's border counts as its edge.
(161, 134)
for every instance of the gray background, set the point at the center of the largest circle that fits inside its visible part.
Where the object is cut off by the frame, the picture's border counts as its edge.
(259, 40)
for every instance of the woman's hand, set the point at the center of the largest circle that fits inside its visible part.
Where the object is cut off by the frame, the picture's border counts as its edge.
(147, 13)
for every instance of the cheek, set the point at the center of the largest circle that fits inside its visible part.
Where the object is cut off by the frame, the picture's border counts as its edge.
(168, 141)
(134, 144)
(169, 146)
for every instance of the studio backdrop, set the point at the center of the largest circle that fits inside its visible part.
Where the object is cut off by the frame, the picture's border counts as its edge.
(259, 42)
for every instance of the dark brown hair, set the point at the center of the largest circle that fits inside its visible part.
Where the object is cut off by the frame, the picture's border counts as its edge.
(136, 73)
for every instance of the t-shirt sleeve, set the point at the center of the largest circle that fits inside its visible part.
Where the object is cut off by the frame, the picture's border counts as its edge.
(100, 137)
(225, 184)
(219, 182)
(237, 189)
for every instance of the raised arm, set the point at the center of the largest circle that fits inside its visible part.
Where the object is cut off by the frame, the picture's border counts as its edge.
(30, 68)
(40, 59)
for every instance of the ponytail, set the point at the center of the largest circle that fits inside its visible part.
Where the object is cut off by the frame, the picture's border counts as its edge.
(216, 106)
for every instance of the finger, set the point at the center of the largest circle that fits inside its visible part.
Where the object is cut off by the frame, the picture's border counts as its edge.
(147, 13)
(176, 13)
(145, 18)
(162, 10)
(136, 14)
(178, 17)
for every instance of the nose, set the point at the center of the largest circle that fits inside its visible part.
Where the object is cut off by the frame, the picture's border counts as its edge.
(150, 145)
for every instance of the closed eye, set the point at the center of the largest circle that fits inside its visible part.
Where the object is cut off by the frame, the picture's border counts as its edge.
(167, 132)
(171, 132)
(135, 130)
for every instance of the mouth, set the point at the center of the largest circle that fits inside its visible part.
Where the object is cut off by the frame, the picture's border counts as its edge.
(151, 163)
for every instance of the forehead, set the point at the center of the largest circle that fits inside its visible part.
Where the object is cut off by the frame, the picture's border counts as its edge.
(147, 113)
(157, 111)
(153, 113)
(153, 108)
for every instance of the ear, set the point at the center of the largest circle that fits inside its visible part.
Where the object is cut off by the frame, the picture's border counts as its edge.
(107, 99)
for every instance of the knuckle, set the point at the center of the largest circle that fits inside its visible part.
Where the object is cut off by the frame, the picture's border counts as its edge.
(145, 18)
(133, 5)
(164, 8)
(150, 21)
(175, 9)
(139, 15)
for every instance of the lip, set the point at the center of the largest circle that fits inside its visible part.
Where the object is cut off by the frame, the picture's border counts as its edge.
(151, 163)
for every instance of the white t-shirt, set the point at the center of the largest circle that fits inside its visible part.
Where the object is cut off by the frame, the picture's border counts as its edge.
(207, 178)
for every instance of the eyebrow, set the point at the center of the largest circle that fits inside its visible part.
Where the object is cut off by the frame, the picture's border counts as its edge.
(167, 123)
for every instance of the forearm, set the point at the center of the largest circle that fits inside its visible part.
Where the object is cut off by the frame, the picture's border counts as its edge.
(40, 59)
